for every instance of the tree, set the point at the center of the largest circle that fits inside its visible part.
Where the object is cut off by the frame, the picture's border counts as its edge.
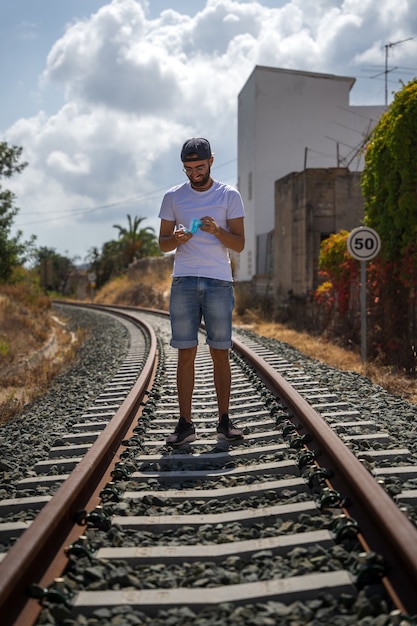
(105, 263)
(389, 186)
(13, 251)
(135, 242)
(54, 269)
(389, 182)
(115, 256)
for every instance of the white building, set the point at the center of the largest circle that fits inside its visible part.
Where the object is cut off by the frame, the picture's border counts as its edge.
(289, 121)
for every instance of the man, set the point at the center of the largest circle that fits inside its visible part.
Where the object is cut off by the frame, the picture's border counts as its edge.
(201, 220)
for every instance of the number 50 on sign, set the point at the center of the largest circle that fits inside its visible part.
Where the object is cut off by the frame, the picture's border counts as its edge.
(363, 243)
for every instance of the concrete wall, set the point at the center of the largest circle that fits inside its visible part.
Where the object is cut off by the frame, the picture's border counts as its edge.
(288, 121)
(309, 206)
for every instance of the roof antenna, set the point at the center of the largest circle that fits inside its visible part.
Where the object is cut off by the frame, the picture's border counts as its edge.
(387, 47)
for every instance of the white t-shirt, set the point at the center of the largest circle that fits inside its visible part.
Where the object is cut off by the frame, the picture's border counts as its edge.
(203, 255)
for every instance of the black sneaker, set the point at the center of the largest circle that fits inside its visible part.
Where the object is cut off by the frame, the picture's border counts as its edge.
(183, 433)
(226, 430)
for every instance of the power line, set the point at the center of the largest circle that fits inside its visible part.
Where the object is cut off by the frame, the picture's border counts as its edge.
(85, 210)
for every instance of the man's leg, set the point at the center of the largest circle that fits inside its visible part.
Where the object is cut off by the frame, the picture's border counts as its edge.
(185, 380)
(222, 381)
(222, 378)
(217, 312)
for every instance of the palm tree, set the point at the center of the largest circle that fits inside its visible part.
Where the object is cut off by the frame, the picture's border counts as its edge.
(136, 242)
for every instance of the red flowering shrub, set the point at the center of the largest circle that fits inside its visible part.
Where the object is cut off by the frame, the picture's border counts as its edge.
(339, 270)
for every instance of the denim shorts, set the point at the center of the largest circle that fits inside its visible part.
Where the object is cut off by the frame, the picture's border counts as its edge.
(194, 299)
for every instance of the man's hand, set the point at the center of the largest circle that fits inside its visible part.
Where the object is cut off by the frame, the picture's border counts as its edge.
(181, 236)
(209, 225)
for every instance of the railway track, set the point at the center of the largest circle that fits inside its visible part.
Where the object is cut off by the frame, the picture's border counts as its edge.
(288, 515)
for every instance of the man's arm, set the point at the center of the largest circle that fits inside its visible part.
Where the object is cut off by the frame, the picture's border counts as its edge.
(169, 238)
(234, 238)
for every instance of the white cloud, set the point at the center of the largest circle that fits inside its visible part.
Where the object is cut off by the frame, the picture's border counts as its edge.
(136, 88)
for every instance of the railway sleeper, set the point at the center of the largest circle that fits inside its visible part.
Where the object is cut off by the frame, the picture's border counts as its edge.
(285, 590)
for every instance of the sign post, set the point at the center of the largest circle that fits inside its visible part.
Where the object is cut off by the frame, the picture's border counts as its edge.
(363, 244)
(91, 284)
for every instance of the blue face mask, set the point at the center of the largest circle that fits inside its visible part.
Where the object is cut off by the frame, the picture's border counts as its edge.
(194, 226)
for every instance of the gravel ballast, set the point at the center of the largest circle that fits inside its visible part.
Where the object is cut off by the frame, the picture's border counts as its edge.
(52, 415)
(26, 439)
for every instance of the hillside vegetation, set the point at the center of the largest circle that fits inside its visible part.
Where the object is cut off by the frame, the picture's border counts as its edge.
(35, 344)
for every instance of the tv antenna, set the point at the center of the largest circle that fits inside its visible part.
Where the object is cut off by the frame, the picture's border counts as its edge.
(387, 47)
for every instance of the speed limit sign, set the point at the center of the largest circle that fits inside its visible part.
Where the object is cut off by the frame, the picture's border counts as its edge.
(363, 243)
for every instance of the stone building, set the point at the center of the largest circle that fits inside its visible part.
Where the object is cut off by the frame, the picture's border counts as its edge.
(293, 121)
(309, 206)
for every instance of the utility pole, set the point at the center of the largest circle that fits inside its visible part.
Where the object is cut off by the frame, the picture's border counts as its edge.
(387, 47)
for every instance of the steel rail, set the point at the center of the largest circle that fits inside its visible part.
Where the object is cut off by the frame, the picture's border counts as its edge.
(386, 529)
(30, 558)
(383, 527)
(389, 532)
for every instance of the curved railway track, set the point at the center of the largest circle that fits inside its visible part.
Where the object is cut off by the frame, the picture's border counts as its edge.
(234, 517)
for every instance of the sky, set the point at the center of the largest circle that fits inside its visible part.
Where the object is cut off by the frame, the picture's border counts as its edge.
(101, 95)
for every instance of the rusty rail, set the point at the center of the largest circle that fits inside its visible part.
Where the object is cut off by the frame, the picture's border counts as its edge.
(386, 529)
(31, 559)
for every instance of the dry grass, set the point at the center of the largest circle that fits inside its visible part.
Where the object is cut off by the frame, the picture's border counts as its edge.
(335, 356)
(146, 285)
(23, 323)
(34, 347)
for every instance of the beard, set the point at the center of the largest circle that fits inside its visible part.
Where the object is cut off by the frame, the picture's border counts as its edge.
(201, 182)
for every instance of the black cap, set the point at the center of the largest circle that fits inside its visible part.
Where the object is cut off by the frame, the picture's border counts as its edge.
(196, 146)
